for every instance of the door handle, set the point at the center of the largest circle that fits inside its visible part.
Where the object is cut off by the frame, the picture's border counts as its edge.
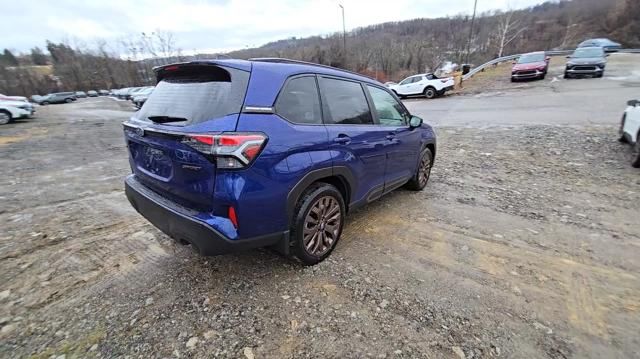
(343, 139)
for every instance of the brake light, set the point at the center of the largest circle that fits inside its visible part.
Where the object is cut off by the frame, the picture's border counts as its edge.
(230, 150)
(171, 68)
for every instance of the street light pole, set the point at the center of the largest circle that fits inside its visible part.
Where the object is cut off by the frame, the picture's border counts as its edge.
(344, 33)
(473, 19)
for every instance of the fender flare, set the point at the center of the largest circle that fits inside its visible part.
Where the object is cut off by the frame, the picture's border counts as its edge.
(342, 172)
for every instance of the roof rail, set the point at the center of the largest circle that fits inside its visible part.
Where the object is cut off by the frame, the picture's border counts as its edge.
(299, 62)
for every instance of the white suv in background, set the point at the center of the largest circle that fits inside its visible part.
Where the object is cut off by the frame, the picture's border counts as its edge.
(11, 110)
(630, 129)
(428, 85)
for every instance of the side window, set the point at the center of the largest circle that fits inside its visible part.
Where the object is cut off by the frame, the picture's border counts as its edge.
(417, 79)
(406, 81)
(390, 112)
(299, 101)
(345, 103)
(430, 77)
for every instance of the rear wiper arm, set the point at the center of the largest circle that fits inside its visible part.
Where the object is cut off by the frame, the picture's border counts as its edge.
(165, 119)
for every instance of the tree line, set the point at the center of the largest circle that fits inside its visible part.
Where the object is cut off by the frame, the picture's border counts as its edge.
(388, 51)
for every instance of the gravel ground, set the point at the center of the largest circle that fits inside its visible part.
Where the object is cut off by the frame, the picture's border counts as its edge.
(524, 244)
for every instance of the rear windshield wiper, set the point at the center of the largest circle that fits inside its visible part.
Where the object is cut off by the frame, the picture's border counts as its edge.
(165, 119)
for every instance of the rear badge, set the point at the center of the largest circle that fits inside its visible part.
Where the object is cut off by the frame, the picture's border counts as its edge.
(139, 131)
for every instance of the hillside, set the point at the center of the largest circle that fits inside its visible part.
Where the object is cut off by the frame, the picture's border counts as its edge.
(391, 50)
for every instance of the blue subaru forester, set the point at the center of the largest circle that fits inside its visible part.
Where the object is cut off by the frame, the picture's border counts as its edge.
(236, 154)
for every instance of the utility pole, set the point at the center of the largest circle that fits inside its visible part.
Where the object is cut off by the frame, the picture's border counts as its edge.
(344, 35)
(473, 19)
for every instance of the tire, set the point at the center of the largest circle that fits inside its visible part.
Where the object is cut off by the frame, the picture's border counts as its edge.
(423, 172)
(430, 92)
(513, 80)
(312, 242)
(543, 76)
(45, 103)
(5, 117)
(68, 100)
(635, 162)
(566, 75)
(621, 137)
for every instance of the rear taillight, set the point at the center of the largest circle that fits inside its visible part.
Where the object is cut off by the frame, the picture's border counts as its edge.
(230, 150)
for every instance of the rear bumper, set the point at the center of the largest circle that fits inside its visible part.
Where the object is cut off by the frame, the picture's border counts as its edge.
(180, 225)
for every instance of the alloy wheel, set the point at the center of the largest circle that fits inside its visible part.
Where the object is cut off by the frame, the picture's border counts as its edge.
(322, 226)
(424, 171)
(4, 118)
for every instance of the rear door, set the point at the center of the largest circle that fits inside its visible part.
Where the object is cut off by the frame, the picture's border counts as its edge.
(357, 143)
(403, 142)
(188, 100)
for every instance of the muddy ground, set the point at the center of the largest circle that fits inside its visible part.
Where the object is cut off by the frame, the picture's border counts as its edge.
(525, 244)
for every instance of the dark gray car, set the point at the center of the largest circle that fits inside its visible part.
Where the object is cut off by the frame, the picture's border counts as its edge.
(59, 97)
(589, 61)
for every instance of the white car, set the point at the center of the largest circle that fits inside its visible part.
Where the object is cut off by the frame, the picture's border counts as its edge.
(11, 110)
(630, 130)
(13, 98)
(428, 85)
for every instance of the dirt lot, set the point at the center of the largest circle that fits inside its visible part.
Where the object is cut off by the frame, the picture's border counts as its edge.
(525, 244)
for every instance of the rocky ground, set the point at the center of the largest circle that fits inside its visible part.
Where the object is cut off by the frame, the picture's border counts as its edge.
(524, 244)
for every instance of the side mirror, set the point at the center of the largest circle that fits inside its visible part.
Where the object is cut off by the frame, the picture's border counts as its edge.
(415, 122)
(514, 62)
(607, 55)
(568, 56)
(632, 103)
(547, 59)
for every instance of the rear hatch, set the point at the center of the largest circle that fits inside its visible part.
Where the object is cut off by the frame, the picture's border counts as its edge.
(189, 100)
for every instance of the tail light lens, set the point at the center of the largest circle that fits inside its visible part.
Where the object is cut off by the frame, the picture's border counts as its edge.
(230, 150)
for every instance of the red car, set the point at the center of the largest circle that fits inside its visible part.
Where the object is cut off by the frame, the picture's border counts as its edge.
(533, 65)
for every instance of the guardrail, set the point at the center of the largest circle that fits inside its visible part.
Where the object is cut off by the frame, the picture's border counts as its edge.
(475, 70)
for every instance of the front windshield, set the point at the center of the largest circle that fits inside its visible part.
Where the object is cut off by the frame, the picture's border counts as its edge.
(529, 58)
(591, 52)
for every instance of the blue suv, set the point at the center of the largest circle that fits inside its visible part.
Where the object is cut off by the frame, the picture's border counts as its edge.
(230, 155)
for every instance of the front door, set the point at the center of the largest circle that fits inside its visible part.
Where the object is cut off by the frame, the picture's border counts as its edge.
(403, 142)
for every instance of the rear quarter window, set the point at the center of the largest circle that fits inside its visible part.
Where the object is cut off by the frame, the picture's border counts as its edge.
(299, 101)
(344, 102)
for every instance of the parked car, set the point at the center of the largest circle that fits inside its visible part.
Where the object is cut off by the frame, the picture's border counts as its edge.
(233, 154)
(630, 130)
(586, 61)
(428, 85)
(13, 98)
(134, 91)
(103, 92)
(58, 97)
(36, 98)
(81, 94)
(533, 65)
(92, 93)
(122, 93)
(606, 44)
(141, 97)
(11, 110)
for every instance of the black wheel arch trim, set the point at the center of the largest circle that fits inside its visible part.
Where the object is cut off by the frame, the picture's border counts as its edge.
(342, 172)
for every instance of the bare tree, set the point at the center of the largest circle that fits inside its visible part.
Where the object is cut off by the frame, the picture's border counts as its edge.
(508, 30)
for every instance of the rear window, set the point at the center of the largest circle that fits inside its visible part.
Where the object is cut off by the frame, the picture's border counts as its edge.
(192, 94)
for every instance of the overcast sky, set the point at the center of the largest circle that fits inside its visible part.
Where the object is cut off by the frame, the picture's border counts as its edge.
(214, 25)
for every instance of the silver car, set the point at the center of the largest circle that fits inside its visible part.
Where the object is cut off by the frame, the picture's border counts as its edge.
(589, 61)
